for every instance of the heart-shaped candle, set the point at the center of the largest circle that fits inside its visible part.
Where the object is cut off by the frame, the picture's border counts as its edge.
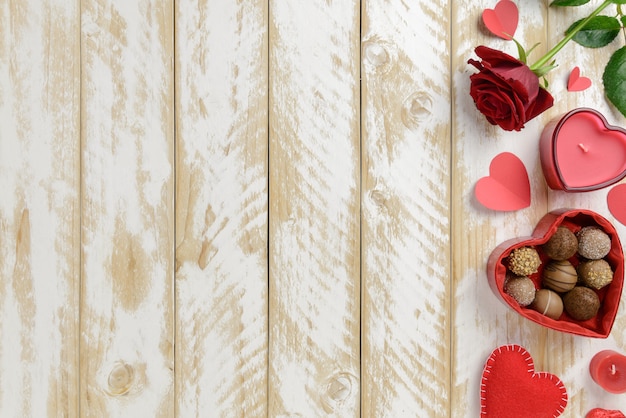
(600, 325)
(511, 388)
(581, 152)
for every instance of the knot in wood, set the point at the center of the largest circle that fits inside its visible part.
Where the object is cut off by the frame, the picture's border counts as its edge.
(377, 56)
(339, 389)
(120, 379)
(416, 109)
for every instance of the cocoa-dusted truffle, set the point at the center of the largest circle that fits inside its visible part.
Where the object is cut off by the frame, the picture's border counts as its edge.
(562, 245)
(581, 303)
(524, 261)
(593, 243)
(595, 273)
(548, 303)
(520, 288)
(560, 276)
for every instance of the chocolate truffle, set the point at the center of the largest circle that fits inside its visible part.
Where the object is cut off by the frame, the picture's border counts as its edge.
(548, 303)
(593, 243)
(560, 276)
(524, 261)
(561, 245)
(595, 273)
(581, 303)
(520, 288)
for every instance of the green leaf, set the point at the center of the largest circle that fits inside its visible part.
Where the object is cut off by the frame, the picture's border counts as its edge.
(520, 51)
(598, 32)
(623, 20)
(618, 1)
(569, 2)
(542, 71)
(614, 79)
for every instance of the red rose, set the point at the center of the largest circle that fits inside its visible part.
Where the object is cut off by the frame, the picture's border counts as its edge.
(505, 90)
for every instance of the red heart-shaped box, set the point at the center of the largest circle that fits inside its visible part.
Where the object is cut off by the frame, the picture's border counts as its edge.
(574, 219)
(581, 152)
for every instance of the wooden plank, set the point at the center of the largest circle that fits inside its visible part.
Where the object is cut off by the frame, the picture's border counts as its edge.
(39, 208)
(405, 237)
(221, 208)
(480, 321)
(127, 335)
(314, 209)
(571, 361)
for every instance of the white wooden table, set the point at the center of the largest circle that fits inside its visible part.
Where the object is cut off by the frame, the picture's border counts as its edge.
(264, 208)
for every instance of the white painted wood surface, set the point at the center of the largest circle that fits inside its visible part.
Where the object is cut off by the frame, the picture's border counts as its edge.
(221, 208)
(314, 209)
(405, 243)
(264, 208)
(39, 208)
(127, 235)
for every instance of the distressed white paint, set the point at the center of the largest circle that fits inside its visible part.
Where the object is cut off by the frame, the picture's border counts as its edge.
(407, 184)
(405, 239)
(39, 208)
(314, 221)
(127, 130)
(221, 279)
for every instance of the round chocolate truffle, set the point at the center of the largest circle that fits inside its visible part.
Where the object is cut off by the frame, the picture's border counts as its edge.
(520, 288)
(560, 276)
(562, 245)
(595, 273)
(524, 261)
(548, 303)
(593, 243)
(581, 303)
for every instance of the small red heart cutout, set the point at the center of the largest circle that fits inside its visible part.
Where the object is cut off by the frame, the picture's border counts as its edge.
(574, 219)
(616, 201)
(507, 187)
(576, 82)
(502, 20)
(511, 388)
(604, 413)
(581, 152)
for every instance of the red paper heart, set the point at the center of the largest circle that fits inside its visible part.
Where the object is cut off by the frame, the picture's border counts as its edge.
(510, 387)
(616, 200)
(576, 82)
(604, 413)
(502, 19)
(507, 187)
(581, 152)
(610, 295)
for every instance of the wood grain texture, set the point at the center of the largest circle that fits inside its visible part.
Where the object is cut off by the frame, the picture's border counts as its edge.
(405, 211)
(266, 208)
(127, 313)
(39, 208)
(221, 218)
(314, 209)
(480, 321)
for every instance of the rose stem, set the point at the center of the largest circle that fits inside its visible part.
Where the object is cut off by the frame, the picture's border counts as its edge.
(556, 48)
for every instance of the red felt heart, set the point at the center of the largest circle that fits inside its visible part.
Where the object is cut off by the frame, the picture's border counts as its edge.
(581, 152)
(576, 82)
(604, 413)
(511, 388)
(502, 19)
(600, 325)
(507, 187)
(616, 200)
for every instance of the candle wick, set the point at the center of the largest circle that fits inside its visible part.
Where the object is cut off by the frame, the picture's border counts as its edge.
(613, 370)
(583, 147)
